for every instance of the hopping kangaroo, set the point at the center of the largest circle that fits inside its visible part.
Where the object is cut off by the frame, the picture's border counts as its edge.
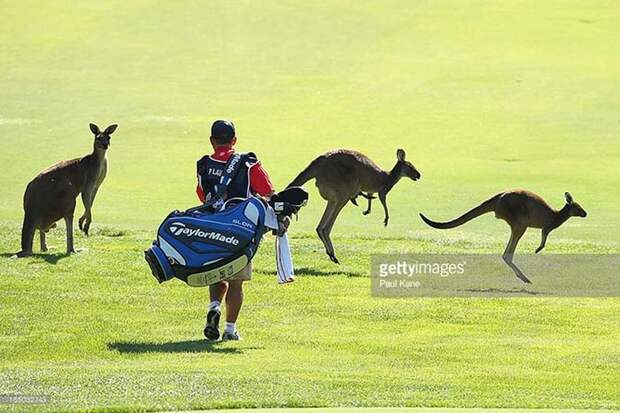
(52, 194)
(342, 175)
(521, 210)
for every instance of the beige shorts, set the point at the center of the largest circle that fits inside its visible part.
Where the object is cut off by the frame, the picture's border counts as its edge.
(243, 275)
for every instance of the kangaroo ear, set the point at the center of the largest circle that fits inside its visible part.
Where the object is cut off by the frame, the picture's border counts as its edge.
(94, 129)
(110, 129)
(400, 154)
(569, 198)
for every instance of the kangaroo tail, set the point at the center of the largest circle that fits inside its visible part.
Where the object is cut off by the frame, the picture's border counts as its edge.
(307, 174)
(483, 208)
(28, 229)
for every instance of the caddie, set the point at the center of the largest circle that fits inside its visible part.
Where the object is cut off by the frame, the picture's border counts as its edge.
(251, 179)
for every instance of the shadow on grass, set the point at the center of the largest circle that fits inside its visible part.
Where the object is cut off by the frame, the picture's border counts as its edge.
(189, 346)
(502, 291)
(49, 258)
(313, 272)
(320, 273)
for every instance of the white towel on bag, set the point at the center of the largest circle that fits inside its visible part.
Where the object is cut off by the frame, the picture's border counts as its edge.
(284, 260)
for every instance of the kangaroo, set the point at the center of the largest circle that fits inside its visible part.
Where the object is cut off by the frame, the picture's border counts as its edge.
(52, 194)
(341, 175)
(521, 209)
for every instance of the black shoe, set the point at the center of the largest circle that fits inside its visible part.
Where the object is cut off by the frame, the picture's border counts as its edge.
(211, 329)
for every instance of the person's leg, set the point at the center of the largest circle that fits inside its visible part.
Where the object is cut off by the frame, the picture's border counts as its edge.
(234, 301)
(217, 293)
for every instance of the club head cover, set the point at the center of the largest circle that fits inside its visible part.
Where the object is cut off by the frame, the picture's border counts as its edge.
(289, 201)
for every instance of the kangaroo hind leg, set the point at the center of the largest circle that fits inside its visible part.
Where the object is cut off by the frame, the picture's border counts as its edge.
(325, 226)
(69, 224)
(27, 239)
(515, 236)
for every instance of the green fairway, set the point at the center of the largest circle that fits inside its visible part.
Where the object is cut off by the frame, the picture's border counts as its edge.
(399, 410)
(483, 96)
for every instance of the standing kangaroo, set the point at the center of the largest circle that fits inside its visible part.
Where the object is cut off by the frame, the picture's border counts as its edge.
(52, 194)
(342, 175)
(521, 209)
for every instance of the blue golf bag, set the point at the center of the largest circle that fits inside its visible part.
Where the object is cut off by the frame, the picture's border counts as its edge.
(202, 247)
(213, 242)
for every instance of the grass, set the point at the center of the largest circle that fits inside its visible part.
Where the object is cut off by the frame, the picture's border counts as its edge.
(402, 410)
(483, 98)
(110, 336)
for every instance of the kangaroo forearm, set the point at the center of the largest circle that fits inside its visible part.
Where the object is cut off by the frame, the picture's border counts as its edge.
(88, 196)
(87, 200)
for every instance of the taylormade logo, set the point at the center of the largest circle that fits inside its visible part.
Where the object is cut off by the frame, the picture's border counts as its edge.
(233, 162)
(179, 229)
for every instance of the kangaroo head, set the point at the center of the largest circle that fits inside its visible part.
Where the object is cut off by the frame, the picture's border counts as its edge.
(102, 139)
(404, 167)
(574, 208)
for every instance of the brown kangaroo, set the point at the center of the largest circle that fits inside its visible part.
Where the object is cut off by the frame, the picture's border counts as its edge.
(342, 175)
(52, 194)
(521, 209)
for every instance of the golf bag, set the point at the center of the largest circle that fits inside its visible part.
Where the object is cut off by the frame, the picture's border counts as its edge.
(202, 246)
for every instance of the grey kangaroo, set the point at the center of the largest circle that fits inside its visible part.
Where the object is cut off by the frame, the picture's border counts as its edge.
(52, 195)
(342, 175)
(521, 209)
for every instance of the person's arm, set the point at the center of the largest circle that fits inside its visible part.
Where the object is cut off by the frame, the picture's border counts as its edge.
(259, 181)
(199, 190)
(261, 185)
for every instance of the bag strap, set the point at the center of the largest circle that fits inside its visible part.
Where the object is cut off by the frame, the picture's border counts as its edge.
(230, 172)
